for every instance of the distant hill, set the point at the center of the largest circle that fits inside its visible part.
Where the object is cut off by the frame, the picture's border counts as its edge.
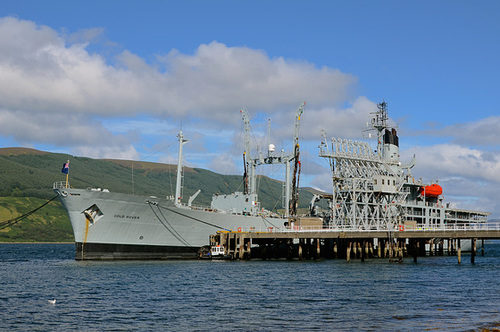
(28, 176)
(19, 151)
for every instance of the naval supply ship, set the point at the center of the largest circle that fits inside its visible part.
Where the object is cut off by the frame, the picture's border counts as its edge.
(371, 190)
(109, 225)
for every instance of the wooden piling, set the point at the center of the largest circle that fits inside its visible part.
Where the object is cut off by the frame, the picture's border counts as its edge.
(222, 240)
(422, 244)
(473, 251)
(248, 249)
(318, 248)
(241, 242)
(309, 248)
(362, 251)
(459, 253)
(349, 252)
(414, 249)
(235, 247)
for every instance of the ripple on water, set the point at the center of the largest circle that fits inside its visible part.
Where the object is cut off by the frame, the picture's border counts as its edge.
(435, 293)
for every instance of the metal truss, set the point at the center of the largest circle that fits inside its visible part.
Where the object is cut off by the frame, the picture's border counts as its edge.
(367, 193)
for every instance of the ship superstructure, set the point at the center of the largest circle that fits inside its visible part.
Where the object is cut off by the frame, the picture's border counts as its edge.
(373, 190)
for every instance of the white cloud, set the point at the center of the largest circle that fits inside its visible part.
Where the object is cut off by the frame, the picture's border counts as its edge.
(484, 132)
(41, 72)
(338, 122)
(218, 79)
(86, 36)
(323, 182)
(84, 136)
(223, 163)
(126, 152)
(451, 159)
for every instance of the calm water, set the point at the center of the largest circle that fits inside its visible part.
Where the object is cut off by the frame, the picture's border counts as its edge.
(436, 293)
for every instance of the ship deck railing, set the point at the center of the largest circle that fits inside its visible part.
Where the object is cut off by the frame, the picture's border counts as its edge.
(418, 228)
(60, 185)
(264, 213)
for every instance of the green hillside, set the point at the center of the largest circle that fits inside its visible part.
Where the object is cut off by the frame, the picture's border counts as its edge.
(50, 224)
(27, 177)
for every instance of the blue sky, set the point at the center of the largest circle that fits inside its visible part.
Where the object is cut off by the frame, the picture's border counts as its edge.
(116, 79)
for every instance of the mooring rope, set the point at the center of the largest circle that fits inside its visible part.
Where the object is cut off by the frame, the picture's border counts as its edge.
(209, 224)
(10, 222)
(195, 219)
(264, 219)
(169, 228)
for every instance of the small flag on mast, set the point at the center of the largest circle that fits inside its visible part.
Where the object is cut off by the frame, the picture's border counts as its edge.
(65, 168)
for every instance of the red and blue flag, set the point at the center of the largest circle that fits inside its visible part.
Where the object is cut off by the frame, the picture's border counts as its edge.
(65, 168)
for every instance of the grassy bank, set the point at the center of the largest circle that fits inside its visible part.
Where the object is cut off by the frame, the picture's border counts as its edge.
(49, 224)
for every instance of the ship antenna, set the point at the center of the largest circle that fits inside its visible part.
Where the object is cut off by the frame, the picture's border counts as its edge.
(378, 123)
(268, 137)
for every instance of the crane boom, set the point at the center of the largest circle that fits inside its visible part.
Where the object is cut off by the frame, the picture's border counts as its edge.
(246, 154)
(294, 201)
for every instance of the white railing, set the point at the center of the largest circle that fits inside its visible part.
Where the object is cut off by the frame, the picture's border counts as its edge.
(60, 185)
(418, 228)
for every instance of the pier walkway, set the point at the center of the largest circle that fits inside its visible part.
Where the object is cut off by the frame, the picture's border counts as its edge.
(314, 242)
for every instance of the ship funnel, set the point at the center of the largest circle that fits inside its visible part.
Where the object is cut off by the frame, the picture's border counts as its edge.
(391, 146)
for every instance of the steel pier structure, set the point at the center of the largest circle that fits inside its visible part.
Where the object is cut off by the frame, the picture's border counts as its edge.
(348, 243)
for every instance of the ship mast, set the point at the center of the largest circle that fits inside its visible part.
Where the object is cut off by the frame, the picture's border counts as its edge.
(379, 122)
(178, 186)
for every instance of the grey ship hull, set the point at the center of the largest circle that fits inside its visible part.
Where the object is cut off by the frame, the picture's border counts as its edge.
(123, 226)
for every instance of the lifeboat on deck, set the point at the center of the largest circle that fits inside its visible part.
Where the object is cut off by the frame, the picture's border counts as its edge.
(434, 190)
